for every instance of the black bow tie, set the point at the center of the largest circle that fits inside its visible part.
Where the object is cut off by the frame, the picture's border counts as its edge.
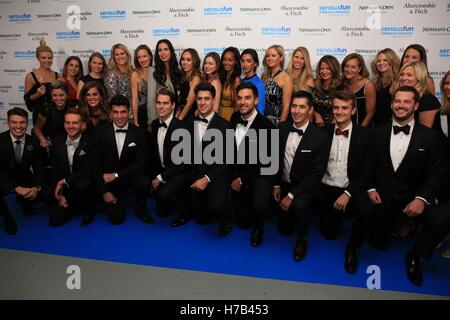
(121, 130)
(242, 121)
(161, 124)
(341, 132)
(404, 129)
(201, 119)
(299, 131)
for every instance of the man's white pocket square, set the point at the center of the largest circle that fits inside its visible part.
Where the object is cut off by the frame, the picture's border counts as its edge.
(421, 149)
(305, 150)
(132, 144)
(82, 153)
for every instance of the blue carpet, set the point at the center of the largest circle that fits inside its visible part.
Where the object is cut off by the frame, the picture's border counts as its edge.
(194, 247)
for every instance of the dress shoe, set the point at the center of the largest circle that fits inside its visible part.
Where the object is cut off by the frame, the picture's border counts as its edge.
(179, 221)
(28, 210)
(87, 220)
(300, 250)
(257, 237)
(225, 229)
(351, 260)
(10, 226)
(413, 269)
(142, 215)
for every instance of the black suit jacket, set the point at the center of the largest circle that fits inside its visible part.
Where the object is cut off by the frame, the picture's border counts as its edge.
(133, 158)
(215, 170)
(81, 162)
(30, 172)
(310, 160)
(361, 157)
(170, 169)
(421, 171)
(247, 171)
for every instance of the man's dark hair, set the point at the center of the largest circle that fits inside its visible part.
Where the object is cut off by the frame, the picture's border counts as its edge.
(120, 100)
(166, 92)
(303, 94)
(16, 111)
(409, 89)
(205, 86)
(345, 95)
(247, 85)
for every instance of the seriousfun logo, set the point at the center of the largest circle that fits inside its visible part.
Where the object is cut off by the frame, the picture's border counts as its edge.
(166, 32)
(222, 11)
(20, 18)
(444, 53)
(106, 52)
(335, 10)
(340, 52)
(397, 31)
(113, 15)
(68, 35)
(279, 31)
(24, 54)
(211, 49)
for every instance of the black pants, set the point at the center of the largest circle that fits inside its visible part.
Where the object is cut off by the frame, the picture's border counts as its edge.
(331, 219)
(142, 116)
(213, 202)
(140, 185)
(81, 195)
(253, 204)
(435, 222)
(300, 213)
(171, 196)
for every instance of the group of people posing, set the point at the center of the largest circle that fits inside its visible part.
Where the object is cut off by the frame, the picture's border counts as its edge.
(95, 137)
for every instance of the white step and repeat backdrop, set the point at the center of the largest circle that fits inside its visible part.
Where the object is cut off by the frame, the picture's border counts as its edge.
(324, 27)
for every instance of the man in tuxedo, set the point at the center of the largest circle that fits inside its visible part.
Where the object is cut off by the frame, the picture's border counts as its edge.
(351, 158)
(21, 168)
(169, 179)
(72, 174)
(209, 183)
(303, 160)
(250, 191)
(408, 175)
(120, 157)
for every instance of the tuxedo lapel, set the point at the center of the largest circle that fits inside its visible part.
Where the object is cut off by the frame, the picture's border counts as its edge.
(27, 153)
(386, 147)
(128, 138)
(354, 144)
(413, 145)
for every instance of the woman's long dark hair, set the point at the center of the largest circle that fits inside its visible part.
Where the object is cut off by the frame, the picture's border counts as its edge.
(160, 70)
(224, 79)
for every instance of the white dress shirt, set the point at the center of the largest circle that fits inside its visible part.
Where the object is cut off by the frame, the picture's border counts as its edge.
(336, 173)
(241, 130)
(120, 138)
(201, 126)
(399, 144)
(292, 143)
(161, 137)
(71, 147)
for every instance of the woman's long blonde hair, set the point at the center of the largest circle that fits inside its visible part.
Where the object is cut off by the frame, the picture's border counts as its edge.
(394, 64)
(280, 51)
(306, 73)
(112, 66)
(445, 101)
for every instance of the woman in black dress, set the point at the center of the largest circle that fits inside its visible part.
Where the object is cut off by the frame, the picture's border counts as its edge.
(37, 83)
(384, 74)
(190, 78)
